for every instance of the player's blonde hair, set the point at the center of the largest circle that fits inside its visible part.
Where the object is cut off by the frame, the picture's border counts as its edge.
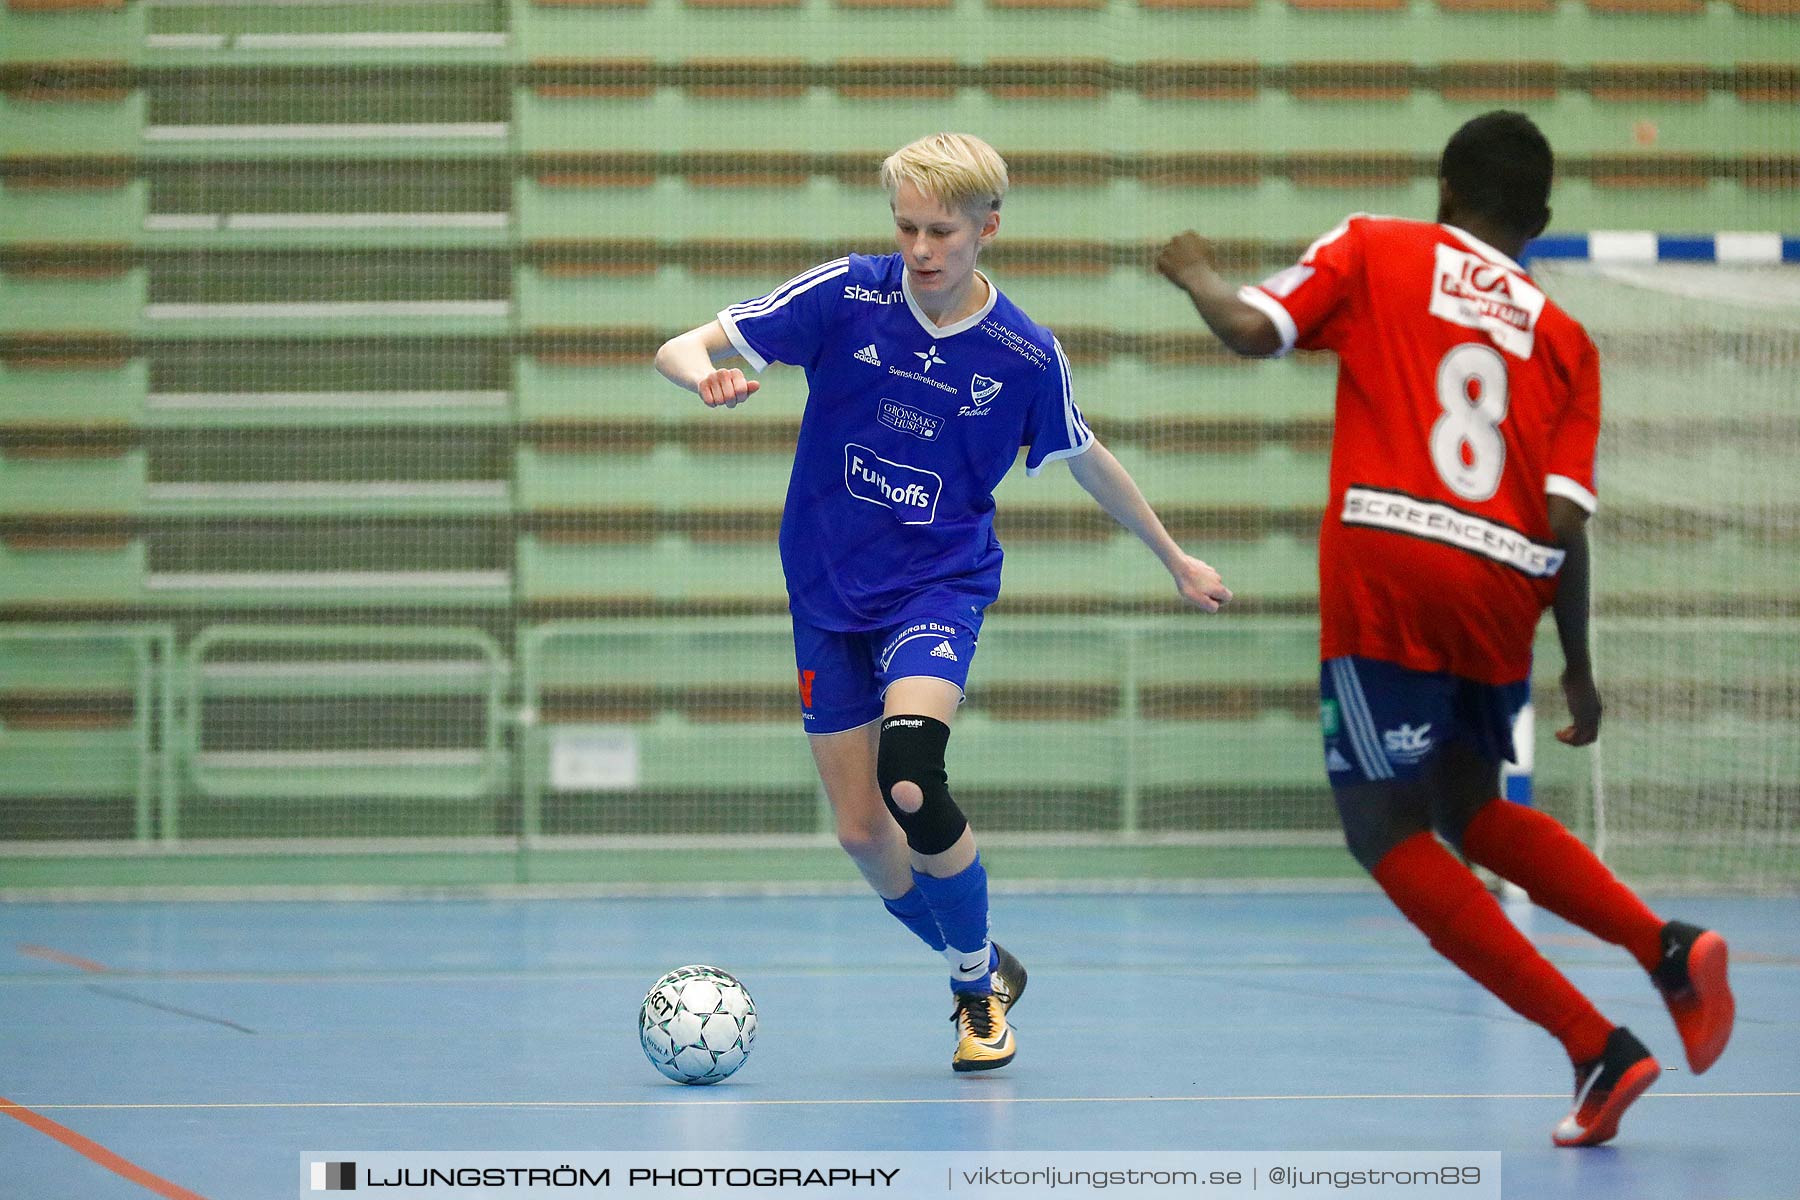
(958, 170)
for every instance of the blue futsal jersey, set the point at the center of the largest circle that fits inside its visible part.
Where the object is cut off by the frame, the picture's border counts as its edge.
(909, 427)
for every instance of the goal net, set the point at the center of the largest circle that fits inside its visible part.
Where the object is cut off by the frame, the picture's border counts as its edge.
(1697, 552)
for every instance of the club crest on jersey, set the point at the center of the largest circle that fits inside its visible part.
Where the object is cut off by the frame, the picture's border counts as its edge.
(982, 391)
(1470, 291)
(912, 492)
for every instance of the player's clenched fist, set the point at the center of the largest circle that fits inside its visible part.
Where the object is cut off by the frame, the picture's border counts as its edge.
(1584, 709)
(1199, 584)
(1182, 253)
(726, 387)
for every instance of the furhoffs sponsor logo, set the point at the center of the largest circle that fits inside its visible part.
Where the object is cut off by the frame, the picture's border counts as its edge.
(911, 492)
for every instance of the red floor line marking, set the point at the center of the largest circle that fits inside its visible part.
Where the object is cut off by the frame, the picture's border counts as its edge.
(67, 960)
(95, 1152)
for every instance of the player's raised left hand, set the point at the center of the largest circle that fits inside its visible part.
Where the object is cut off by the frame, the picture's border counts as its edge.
(1199, 584)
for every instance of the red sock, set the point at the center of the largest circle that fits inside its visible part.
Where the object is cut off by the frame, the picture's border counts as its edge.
(1466, 925)
(1533, 850)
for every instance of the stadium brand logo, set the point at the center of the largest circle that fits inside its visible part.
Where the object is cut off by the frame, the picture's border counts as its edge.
(853, 291)
(910, 491)
(907, 419)
(867, 354)
(1408, 743)
(1470, 291)
(982, 391)
(334, 1177)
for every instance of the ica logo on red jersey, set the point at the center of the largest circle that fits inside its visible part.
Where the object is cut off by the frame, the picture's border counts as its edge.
(1470, 291)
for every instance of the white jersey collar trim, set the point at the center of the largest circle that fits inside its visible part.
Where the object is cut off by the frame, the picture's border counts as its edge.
(943, 331)
(1482, 248)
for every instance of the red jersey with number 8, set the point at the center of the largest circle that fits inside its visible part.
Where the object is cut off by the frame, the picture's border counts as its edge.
(1465, 399)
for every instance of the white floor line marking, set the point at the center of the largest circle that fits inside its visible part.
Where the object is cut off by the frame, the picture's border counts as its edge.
(286, 1104)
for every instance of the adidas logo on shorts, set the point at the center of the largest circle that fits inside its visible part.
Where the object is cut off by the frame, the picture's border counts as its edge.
(867, 354)
(944, 651)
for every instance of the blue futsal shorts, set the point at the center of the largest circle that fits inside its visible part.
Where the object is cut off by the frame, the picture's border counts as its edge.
(842, 676)
(1382, 721)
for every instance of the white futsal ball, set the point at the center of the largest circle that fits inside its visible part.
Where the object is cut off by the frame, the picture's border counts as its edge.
(697, 1024)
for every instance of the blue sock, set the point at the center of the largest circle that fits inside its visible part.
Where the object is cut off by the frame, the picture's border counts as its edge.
(960, 904)
(915, 914)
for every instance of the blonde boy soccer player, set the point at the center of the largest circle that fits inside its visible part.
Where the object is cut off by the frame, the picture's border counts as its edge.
(1462, 476)
(923, 383)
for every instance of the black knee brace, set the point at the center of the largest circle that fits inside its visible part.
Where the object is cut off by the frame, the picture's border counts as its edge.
(912, 751)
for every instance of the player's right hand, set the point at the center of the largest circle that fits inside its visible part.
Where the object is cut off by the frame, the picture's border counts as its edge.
(726, 388)
(1584, 709)
(1183, 253)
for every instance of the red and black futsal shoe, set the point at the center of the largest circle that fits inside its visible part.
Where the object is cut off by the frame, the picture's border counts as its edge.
(1692, 980)
(1605, 1088)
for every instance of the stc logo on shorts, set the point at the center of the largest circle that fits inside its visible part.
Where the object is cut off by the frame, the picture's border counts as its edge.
(1408, 743)
(911, 492)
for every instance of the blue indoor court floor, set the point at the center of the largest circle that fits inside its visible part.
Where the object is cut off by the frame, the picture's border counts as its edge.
(210, 1044)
